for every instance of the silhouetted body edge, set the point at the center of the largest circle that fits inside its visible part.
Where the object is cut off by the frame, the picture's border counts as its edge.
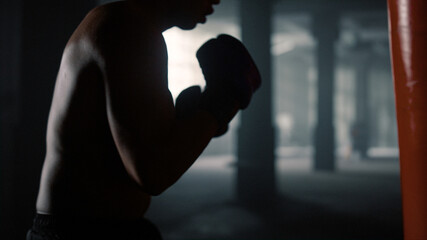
(83, 174)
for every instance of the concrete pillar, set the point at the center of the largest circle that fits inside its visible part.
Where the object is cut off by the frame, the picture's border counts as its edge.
(325, 30)
(256, 139)
(41, 30)
(360, 131)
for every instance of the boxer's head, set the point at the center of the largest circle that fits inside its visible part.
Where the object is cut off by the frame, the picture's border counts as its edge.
(185, 14)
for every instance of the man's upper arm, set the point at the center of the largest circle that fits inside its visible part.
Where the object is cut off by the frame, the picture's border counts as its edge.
(139, 105)
(155, 147)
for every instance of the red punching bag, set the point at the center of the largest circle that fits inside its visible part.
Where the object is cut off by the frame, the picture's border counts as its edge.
(408, 36)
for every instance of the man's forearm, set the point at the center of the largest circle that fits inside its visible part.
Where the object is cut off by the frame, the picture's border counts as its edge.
(185, 142)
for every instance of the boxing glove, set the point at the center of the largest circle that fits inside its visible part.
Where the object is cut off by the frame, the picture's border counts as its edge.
(231, 78)
(227, 66)
(190, 100)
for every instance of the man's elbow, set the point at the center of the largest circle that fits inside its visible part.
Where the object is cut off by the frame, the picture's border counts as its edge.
(154, 185)
(154, 190)
(153, 179)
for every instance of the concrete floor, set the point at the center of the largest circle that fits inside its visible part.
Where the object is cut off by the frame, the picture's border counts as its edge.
(361, 200)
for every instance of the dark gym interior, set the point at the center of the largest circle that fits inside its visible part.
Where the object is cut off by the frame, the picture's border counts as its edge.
(315, 156)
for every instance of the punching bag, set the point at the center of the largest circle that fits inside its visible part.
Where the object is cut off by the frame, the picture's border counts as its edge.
(408, 37)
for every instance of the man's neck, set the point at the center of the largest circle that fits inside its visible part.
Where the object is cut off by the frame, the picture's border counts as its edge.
(156, 11)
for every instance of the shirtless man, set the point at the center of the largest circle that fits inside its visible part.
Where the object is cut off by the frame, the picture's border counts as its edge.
(113, 137)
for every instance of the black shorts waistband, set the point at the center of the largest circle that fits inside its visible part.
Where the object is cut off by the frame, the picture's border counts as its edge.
(67, 225)
(47, 220)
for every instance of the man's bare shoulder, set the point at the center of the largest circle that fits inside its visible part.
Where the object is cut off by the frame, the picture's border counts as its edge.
(116, 32)
(117, 23)
(113, 24)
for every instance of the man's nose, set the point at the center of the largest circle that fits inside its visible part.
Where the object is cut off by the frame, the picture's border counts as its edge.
(216, 1)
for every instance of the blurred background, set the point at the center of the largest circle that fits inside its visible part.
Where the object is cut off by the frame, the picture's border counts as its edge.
(315, 156)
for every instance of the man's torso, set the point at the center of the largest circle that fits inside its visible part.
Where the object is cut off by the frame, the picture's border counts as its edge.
(83, 174)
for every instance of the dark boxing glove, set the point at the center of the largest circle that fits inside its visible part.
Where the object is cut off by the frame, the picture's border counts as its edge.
(188, 102)
(231, 77)
(191, 100)
(228, 66)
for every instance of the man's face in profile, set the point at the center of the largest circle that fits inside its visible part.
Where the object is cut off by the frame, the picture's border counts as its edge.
(187, 14)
